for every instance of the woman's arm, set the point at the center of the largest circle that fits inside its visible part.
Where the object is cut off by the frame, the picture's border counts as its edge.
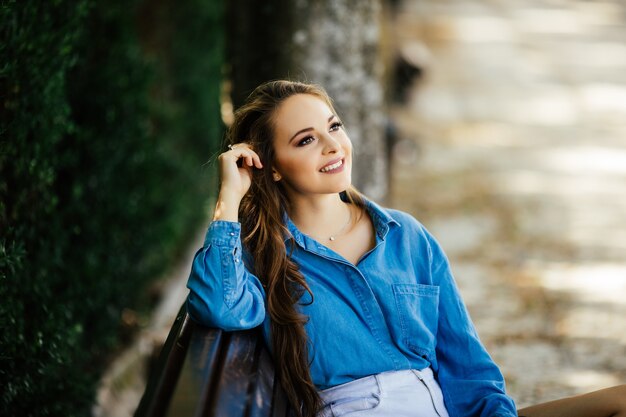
(222, 292)
(471, 382)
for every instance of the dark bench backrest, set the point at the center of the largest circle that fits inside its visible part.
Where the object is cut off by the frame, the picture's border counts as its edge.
(208, 372)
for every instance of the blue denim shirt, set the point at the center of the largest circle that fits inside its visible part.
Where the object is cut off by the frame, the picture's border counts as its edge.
(397, 308)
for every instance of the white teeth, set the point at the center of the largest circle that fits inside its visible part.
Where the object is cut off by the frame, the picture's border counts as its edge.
(333, 166)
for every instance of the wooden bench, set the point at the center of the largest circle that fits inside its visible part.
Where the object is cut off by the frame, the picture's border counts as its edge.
(203, 371)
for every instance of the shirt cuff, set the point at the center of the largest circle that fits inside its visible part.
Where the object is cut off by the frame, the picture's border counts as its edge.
(223, 233)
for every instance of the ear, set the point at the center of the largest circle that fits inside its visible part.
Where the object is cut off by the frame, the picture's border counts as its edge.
(276, 175)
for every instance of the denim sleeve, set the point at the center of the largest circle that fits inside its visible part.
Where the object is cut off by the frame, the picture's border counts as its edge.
(471, 382)
(222, 292)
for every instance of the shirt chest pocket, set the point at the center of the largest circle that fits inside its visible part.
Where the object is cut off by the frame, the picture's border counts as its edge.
(418, 312)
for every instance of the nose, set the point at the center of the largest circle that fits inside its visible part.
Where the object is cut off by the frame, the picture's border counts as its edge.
(331, 145)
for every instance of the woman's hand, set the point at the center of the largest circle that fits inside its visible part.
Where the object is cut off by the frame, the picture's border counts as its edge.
(237, 176)
(236, 167)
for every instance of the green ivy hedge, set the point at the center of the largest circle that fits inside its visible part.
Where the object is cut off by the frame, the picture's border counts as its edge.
(107, 123)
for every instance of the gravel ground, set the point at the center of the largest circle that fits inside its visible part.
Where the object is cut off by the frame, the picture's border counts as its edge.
(512, 151)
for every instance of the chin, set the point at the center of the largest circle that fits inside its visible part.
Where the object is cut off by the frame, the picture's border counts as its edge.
(345, 185)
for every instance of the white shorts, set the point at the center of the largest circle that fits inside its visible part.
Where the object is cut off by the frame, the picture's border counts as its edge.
(409, 393)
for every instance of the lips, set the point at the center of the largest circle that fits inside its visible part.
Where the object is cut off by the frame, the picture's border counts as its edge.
(333, 166)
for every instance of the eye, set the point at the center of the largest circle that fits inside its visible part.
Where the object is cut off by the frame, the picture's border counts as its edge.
(335, 126)
(306, 141)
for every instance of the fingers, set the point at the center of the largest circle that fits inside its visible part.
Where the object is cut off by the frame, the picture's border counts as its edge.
(244, 152)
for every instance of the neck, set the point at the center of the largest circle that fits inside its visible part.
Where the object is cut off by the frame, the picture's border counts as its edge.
(320, 216)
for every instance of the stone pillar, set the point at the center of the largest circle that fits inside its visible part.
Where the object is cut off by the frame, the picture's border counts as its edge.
(330, 42)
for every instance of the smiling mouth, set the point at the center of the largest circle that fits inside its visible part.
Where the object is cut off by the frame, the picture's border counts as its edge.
(332, 167)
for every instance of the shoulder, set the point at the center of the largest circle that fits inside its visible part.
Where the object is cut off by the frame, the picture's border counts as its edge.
(404, 219)
(400, 224)
(394, 217)
(411, 233)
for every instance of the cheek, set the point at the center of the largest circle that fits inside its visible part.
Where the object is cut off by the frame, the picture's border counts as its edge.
(348, 149)
(292, 167)
(346, 142)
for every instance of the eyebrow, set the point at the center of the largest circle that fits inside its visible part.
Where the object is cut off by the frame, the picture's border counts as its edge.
(308, 129)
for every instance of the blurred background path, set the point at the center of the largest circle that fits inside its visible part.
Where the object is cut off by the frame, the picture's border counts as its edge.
(512, 151)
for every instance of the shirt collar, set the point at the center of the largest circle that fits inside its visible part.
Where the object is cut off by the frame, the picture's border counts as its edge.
(380, 217)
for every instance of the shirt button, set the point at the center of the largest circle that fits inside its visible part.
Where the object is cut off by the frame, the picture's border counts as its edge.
(232, 233)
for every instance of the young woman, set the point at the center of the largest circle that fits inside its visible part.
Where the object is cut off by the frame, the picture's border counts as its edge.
(357, 302)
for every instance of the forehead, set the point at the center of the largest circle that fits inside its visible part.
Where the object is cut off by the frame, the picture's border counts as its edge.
(301, 111)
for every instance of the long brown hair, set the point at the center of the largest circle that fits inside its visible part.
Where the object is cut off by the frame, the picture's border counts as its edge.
(261, 213)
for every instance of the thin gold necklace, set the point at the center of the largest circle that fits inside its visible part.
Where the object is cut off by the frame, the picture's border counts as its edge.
(340, 232)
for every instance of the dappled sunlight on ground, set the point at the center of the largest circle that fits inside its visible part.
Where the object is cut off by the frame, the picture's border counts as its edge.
(512, 151)
(604, 283)
(587, 160)
(587, 380)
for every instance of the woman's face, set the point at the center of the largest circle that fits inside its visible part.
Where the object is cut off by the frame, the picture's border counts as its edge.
(313, 154)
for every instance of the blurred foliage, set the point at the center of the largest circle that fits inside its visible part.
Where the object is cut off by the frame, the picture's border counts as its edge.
(104, 137)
